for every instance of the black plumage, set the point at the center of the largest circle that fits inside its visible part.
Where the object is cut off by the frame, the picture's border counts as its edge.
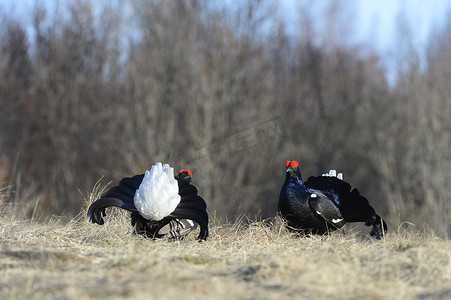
(191, 207)
(323, 204)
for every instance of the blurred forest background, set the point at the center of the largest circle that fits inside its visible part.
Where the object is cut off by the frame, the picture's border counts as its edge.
(93, 91)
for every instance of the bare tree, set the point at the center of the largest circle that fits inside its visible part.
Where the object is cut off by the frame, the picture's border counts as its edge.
(230, 91)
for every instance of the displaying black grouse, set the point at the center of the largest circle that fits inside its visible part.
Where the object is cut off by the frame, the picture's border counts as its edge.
(161, 204)
(324, 203)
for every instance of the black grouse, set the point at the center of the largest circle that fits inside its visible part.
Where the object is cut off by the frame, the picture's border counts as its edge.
(324, 203)
(161, 204)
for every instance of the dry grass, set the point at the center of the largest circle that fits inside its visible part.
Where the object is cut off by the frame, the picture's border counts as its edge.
(241, 260)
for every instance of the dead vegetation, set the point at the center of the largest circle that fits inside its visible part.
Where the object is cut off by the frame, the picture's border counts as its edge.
(230, 92)
(243, 259)
(95, 89)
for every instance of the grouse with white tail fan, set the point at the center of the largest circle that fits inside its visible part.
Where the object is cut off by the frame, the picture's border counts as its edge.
(161, 205)
(324, 203)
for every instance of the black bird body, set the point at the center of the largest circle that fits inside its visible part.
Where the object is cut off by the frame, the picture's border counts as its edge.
(323, 204)
(298, 213)
(192, 207)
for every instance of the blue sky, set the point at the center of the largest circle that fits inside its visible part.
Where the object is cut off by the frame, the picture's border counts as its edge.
(372, 22)
(376, 19)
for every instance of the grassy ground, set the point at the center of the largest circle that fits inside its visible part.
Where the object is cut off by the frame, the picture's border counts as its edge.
(241, 260)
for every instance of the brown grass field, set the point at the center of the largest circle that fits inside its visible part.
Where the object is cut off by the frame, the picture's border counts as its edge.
(244, 259)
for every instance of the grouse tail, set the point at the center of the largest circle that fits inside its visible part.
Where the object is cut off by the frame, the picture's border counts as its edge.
(193, 207)
(119, 196)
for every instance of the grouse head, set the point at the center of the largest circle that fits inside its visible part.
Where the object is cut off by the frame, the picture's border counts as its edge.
(292, 169)
(184, 177)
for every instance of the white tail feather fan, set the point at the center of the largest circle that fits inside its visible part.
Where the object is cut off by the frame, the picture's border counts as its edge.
(333, 173)
(158, 194)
